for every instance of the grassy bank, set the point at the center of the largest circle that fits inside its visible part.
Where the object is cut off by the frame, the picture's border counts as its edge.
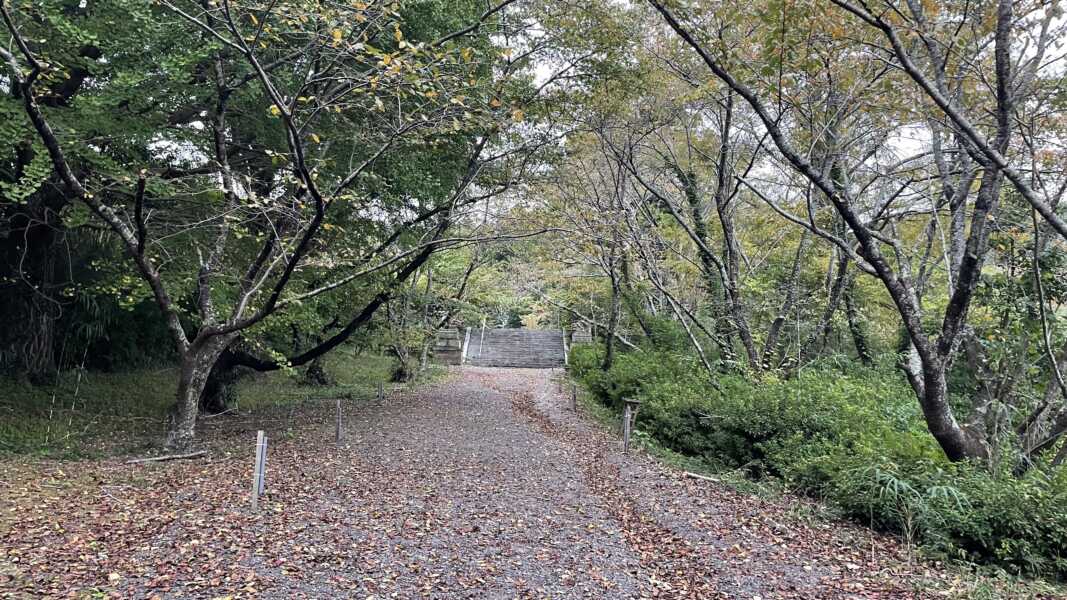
(86, 413)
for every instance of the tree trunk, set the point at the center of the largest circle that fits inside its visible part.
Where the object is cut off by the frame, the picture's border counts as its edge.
(39, 334)
(714, 281)
(952, 438)
(817, 340)
(402, 371)
(427, 324)
(631, 301)
(771, 345)
(613, 321)
(732, 255)
(219, 391)
(859, 334)
(316, 374)
(424, 356)
(196, 365)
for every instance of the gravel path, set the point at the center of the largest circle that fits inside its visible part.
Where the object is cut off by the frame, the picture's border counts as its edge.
(483, 485)
(500, 491)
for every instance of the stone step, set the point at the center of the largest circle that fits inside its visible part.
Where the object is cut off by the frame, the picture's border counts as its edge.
(516, 348)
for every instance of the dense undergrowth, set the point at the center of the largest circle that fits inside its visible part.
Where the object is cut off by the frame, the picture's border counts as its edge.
(852, 437)
(87, 412)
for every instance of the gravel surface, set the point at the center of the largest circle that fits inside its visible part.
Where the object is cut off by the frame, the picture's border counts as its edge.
(482, 485)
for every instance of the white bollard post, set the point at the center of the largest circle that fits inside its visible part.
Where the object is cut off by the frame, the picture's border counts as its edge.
(338, 432)
(259, 469)
(627, 421)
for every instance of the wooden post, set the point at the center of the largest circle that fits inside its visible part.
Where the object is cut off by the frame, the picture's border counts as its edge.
(628, 414)
(574, 397)
(337, 435)
(260, 468)
(381, 391)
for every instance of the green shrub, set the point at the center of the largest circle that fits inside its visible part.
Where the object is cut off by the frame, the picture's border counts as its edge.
(854, 438)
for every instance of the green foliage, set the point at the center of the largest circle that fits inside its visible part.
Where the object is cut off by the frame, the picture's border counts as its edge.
(961, 510)
(634, 375)
(33, 175)
(87, 413)
(356, 375)
(854, 438)
(129, 91)
(83, 410)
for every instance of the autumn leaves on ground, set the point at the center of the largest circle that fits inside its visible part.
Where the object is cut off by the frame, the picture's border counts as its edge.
(481, 485)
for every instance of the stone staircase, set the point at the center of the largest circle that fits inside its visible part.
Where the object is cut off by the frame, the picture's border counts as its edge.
(529, 348)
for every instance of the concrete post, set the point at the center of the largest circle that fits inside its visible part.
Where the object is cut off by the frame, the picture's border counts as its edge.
(337, 433)
(628, 414)
(258, 476)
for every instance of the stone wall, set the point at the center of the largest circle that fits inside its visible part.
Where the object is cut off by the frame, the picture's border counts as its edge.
(448, 347)
(581, 335)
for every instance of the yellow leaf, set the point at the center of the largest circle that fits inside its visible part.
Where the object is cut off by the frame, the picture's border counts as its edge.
(336, 33)
(315, 138)
(378, 104)
(398, 34)
(255, 21)
(495, 103)
(518, 115)
(387, 58)
(274, 110)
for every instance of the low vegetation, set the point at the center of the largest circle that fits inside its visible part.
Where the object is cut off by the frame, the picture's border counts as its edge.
(851, 437)
(92, 413)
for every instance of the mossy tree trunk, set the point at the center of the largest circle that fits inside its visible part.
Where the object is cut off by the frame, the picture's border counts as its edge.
(197, 363)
